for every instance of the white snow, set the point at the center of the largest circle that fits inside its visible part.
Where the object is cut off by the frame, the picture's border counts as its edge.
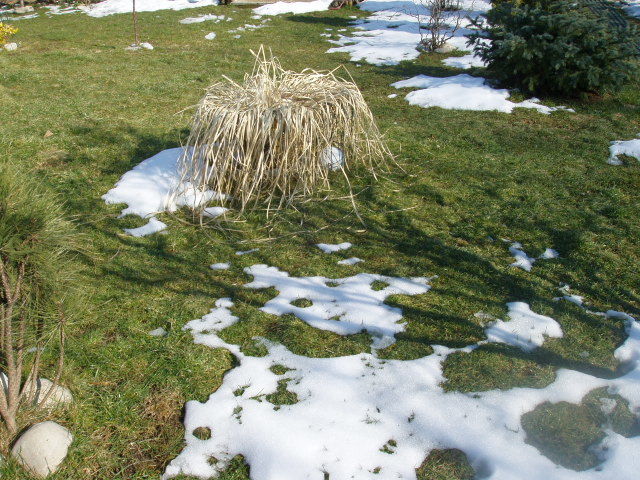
(332, 158)
(210, 36)
(346, 308)
(330, 248)
(632, 7)
(220, 266)
(152, 226)
(525, 329)
(464, 92)
(279, 8)
(203, 18)
(392, 33)
(158, 332)
(349, 408)
(392, 95)
(246, 252)
(524, 261)
(111, 7)
(214, 212)
(464, 62)
(149, 187)
(350, 261)
(630, 148)
(549, 253)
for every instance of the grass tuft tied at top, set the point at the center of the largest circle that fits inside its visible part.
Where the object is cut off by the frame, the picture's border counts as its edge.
(278, 135)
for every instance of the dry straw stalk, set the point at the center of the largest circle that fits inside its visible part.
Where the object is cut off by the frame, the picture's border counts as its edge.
(266, 141)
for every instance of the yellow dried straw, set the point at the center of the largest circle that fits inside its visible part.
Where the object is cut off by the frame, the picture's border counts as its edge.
(262, 142)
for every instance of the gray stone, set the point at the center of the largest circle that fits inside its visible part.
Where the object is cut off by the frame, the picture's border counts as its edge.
(42, 448)
(60, 396)
(11, 46)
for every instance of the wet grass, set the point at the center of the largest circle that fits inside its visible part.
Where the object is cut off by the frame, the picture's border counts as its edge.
(463, 181)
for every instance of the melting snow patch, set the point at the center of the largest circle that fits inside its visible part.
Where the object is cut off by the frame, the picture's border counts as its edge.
(623, 147)
(214, 212)
(525, 329)
(464, 92)
(348, 408)
(344, 306)
(246, 252)
(149, 187)
(465, 62)
(152, 226)
(526, 262)
(279, 8)
(392, 33)
(111, 7)
(350, 261)
(523, 260)
(158, 332)
(203, 18)
(220, 266)
(330, 248)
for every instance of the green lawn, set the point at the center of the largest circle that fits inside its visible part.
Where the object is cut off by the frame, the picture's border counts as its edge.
(462, 182)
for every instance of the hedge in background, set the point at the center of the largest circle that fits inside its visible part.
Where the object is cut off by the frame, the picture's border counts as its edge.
(556, 47)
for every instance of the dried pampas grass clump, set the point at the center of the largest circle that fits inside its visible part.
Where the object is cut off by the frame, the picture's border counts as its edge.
(274, 137)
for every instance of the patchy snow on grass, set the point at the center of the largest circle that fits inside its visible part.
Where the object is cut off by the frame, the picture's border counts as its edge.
(350, 261)
(331, 248)
(220, 266)
(344, 306)
(392, 33)
(362, 417)
(150, 187)
(246, 252)
(464, 92)
(525, 329)
(464, 62)
(111, 7)
(524, 261)
(203, 18)
(632, 7)
(152, 226)
(630, 148)
(279, 8)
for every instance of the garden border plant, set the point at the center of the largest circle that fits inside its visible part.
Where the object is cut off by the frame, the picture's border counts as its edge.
(37, 245)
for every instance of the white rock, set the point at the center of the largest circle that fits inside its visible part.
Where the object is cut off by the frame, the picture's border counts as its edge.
(446, 48)
(210, 36)
(42, 448)
(146, 46)
(60, 395)
(11, 46)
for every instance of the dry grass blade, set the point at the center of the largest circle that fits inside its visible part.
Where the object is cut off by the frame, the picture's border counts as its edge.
(268, 141)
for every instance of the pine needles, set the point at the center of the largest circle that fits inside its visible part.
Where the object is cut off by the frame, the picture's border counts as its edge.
(269, 140)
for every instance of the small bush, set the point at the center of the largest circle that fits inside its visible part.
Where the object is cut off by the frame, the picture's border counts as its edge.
(36, 275)
(6, 32)
(556, 47)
